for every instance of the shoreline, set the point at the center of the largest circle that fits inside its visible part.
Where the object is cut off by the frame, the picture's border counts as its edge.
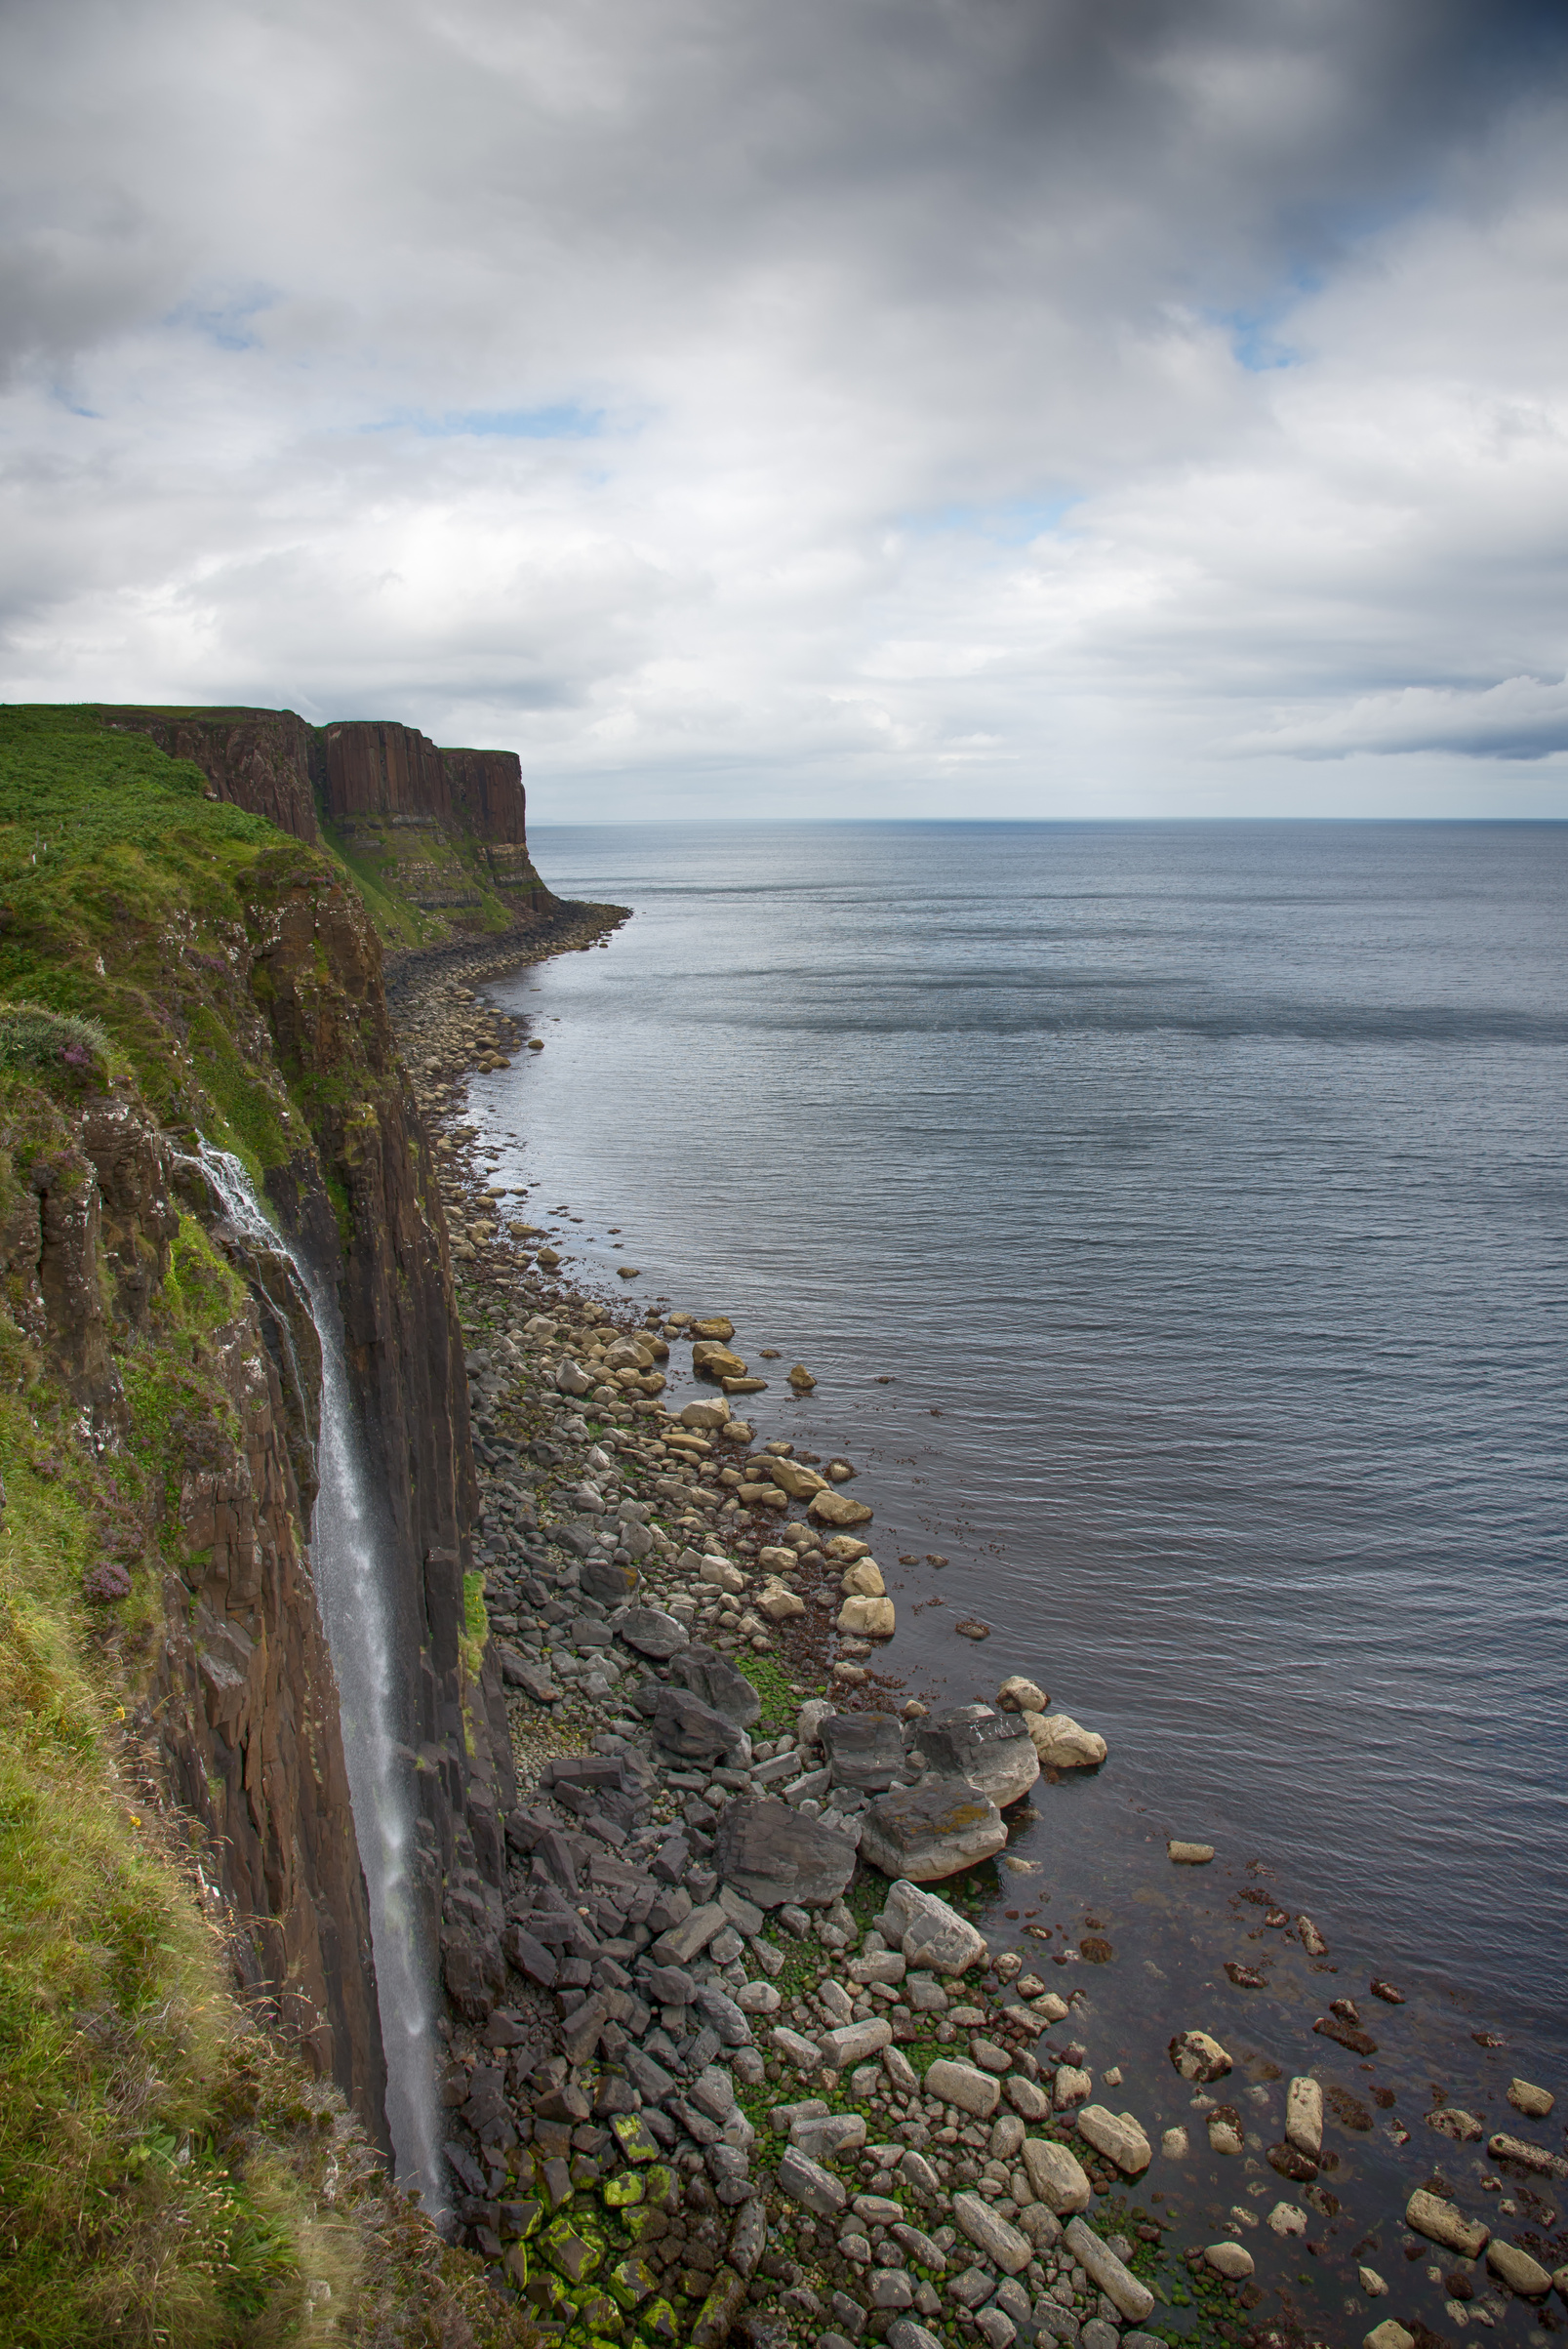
(631, 1451)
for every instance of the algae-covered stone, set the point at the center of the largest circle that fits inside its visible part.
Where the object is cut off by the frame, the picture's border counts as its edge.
(572, 2250)
(632, 2281)
(599, 2316)
(659, 2326)
(662, 2188)
(718, 2311)
(625, 2188)
(633, 2136)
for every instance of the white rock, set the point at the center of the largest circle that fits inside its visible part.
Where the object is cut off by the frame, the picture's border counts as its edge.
(1442, 2222)
(1102, 2266)
(1231, 2260)
(1303, 2116)
(1073, 2086)
(1372, 2283)
(1285, 2219)
(1175, 2145)
(1019, 1695)
(1119, 2136)
(960, 2084)
(929, 1932)
(1062, 1744)
(868, 1618)
(1527, 2099)
(1057, 2175)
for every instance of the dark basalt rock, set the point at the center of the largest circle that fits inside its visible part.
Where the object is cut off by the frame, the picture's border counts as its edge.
(770, 1854)
(864, 1750)
(993, 1751)
(684, 1725)
(716, 1680)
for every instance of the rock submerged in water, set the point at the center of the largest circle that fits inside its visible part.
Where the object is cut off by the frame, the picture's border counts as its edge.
(1198, 2058)
(931, 1831)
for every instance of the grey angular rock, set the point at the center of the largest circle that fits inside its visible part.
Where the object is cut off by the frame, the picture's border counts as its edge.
(992, 1752)
(808, 2183)
(651, 1631)
(932, 1831)
(960, 2084)
(905, 2334)
(853, 2043)
(612, 1585)
(713, 1679)
(720, 2012)
(1057, 2175)
(771, 1855)
(692, 1731)
(864, 1750)
(920, 2248)
(823, 2136)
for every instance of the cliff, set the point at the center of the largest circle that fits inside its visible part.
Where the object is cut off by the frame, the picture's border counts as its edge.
(436, 840)
(174, 967)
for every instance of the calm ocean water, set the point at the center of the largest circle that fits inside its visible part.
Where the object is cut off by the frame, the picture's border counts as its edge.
(1207, 1180)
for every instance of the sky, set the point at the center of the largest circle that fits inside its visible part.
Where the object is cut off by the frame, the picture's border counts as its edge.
(1011, 408)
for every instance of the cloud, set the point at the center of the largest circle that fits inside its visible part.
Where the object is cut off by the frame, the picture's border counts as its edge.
(1524, 717)
(734, 405)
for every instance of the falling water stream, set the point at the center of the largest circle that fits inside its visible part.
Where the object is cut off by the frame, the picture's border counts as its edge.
(348, 1548)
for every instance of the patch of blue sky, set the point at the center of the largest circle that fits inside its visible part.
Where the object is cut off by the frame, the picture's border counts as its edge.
(564, 421)
(1015, 522)
(226, 324)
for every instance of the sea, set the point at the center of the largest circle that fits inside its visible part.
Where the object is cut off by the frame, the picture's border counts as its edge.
(1173, 1218)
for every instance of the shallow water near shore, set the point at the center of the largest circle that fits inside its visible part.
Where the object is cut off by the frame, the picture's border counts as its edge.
(1206, 1181)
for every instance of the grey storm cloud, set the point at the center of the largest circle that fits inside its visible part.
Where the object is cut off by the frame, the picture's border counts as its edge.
(1123, 405)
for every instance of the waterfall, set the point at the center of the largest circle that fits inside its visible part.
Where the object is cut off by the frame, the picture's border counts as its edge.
(348, 1546)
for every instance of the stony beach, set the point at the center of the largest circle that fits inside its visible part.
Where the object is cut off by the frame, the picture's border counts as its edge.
(733, 2056)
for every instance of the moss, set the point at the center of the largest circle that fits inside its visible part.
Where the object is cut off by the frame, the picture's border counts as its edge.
(779, 1703)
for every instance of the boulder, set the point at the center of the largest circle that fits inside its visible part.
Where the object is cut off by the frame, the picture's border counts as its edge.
(833, 1508)
(1304, 2117)
(1229, 2260)
(868, 1618)
(710, 1360)
(1226, 2133)
(610, 1584)
(1517, 2270)
(974, 2093)
(716, 1680)
(1019, 1695)
(862, 1580)
(1525, 2097)
(1440, 2221)
(797, 1481)
(703, 1415)
(1389, 2334)
(651, 1631)
(1198, 2058)
(778, 1602)
(684, 1725)
(1062, 1744)
(991, 2236)
(929, 1932)
(769, 1853)
(1058, 2178)
(1504, 2148)
(721, 1574)
(928, 1831)
(808, 2183)
(1119, 2136)
(992, 1752)
(844, 1549)
(713, 1325)
(864, 1750)
(1107, 2272)
(854, 2043)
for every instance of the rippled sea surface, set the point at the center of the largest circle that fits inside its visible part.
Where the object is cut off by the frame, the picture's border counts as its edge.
(1199, 1191)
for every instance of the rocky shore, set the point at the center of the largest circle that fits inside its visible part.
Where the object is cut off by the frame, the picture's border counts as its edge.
(727, 2055)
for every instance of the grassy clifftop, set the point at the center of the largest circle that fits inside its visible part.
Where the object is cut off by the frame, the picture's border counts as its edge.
(167, 2175)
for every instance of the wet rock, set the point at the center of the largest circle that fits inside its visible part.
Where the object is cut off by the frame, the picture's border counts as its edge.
(651, 1633)
(1226, 2133)
(1517, 2270)
(1027, 2099)
(778, 1602)
(864, 1750)
(868, 1618)
(1230, 2259)
(1536, 2102)
(1062, 1744)
(1019, 1695)
(991, 2236)
(1057, 2175)
(1311, 1941)
(1505, 2148)
(1345, 2035)
(960, 2084)
(1073, 2087)
(1451, 2121)
(1385, 1991)
(930, 1933)
(1443, 2222)
(1288, 2161)
(712, 1678)
(862, 1580)
(1107, 2272)
(1189, 1856)
(768, 1853)
(1119, 2136)
(1389, 2335)
(932, 1831)
(1198, 2058)
(834, 1508)
(991, 1751)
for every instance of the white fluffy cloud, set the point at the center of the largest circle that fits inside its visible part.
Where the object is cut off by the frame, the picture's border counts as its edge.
(1006, 406)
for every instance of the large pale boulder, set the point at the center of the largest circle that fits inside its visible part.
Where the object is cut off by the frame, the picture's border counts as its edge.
(973, 2092)
(863, 1580)
(797, 1481)
(868, 1618)
(778, 1602)
(1441, 2221)
(929, 1932)
(992, 1752)
(1105, 2270)
(833, 1508)
(1003, 2246)
(1057, 2175)
(932, 1831)
(1198, 2058)
(1119, 2136)
(1303, 2116)
(1062, 1744)
(1019, 1695)
(710, 1360)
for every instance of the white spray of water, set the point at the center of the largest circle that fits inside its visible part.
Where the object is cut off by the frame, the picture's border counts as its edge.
(348, 1549)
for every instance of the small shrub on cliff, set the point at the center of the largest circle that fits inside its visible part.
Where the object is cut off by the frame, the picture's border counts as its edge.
(34, 1037)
